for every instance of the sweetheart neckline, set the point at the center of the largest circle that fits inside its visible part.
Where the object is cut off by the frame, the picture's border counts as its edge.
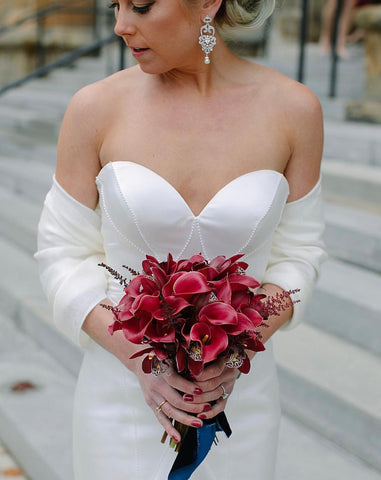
(163, 179)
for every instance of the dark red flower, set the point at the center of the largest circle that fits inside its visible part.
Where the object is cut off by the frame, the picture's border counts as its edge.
(208, 341)
(218, 313)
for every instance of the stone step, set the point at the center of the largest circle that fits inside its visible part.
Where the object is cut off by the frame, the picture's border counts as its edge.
(352, 142)
(352, 183)
(347, 303)
(28, 123)
(39, 101)
(35, 422)
(353, 234)
(22, 299)
(333, 387)
(27, 179)
(17, 147)
(18, 220)
(303, 454)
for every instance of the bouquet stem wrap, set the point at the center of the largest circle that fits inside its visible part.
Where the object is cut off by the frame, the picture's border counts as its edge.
(196, 445)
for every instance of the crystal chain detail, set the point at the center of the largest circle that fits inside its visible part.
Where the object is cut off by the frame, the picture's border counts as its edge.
(207, 40)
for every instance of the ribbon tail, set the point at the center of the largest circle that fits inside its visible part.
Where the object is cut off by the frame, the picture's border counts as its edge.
(196, 445)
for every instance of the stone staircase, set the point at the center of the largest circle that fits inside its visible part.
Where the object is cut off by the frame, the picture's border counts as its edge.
(329, 367)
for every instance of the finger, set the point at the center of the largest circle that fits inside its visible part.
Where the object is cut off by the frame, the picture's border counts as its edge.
(167, 424)
(211, 371)
(181, 416)
(188, 403)
(229, 375)
(218, 391)
(217, 408)
(213, 395)
(181, 384)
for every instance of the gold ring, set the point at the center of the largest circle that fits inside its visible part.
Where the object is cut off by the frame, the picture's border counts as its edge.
(159, 407)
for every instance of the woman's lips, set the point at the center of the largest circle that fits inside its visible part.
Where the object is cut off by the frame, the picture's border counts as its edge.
(137, 52)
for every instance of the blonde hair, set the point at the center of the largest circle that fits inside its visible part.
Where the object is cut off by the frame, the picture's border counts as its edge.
(244, 12)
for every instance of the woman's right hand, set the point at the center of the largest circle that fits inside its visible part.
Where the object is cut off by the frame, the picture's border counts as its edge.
(166, 388)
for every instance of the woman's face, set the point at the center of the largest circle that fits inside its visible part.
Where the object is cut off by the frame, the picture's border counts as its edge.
(162, 34)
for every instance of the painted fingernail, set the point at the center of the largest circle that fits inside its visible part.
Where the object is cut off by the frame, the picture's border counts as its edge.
(188, 398)
(206, 408)
(201, 416)
(175, 439)
(197, 391)
(196, 424)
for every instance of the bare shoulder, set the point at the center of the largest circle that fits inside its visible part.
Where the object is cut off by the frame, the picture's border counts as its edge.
(96, 99)
(291, 97)
(300, 115)
(86, 120)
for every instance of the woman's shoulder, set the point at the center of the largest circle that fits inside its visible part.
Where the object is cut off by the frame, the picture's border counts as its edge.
(286, 92)
(297, 113)
(99, 98)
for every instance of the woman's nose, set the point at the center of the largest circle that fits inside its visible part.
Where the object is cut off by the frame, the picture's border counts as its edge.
(124, 24)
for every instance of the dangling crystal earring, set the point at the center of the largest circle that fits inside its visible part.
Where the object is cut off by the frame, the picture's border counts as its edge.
(207, 40)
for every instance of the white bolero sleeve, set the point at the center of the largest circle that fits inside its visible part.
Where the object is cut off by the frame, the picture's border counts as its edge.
(298, 250)
(70, 246)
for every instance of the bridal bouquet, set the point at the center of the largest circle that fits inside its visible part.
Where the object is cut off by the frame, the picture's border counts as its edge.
(190, 313)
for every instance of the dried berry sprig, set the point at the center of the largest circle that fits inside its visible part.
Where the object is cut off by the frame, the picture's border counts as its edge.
(110, 308)
(122, 280)
(131, 270)
(274, 304)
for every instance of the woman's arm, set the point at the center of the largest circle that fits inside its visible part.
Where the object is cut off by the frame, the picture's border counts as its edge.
(297, 250)
(71, 247)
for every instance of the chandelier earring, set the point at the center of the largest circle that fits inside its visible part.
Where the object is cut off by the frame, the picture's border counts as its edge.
(207, 39)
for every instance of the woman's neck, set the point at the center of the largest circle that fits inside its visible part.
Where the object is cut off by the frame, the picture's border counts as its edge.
(204, 78)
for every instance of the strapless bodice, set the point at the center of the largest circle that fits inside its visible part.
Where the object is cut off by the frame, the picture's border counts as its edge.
(142, 213)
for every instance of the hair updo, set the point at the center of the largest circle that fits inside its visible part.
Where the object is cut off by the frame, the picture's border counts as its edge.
(244, 12)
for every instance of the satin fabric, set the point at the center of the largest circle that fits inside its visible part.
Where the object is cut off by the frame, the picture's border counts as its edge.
(116, 435)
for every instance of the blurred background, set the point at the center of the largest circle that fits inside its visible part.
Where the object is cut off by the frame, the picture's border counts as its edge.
(329, 367)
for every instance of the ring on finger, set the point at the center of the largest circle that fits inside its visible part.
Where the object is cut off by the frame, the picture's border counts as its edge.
(224, 392)
(160, 406)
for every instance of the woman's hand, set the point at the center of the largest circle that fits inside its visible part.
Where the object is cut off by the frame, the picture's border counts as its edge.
(210, 382)
(165, 388)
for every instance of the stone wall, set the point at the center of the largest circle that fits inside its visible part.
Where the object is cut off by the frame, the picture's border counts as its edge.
(290, 14)
(368, 107)
(63, 31)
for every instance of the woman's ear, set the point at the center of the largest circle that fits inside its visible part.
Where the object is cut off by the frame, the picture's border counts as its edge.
(210, 7)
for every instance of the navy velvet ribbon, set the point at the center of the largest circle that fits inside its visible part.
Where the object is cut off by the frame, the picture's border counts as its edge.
(196, 445)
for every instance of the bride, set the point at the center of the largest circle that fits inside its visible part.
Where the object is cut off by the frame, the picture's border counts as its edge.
(192, 150)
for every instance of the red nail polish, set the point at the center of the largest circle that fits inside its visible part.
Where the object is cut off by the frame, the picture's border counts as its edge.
(175, 439)
(206, 408)
(197, 391)
(196, 424)
(202, 416)
(188, 398)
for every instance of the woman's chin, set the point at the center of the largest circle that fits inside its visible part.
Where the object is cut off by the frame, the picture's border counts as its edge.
(152, 69)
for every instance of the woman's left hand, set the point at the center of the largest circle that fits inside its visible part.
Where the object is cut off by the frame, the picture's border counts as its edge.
(210, 382)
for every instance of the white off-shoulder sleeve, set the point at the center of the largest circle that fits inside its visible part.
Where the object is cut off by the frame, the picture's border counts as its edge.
(70, 246)
(298, 250)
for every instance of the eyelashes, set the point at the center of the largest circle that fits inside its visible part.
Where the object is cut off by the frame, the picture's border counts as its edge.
(143, 9)
(138, 9)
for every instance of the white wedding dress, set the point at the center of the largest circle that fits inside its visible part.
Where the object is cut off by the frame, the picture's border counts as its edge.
(116, 435)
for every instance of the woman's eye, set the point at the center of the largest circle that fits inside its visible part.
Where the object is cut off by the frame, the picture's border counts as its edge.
(142, 9)
(114, 6)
